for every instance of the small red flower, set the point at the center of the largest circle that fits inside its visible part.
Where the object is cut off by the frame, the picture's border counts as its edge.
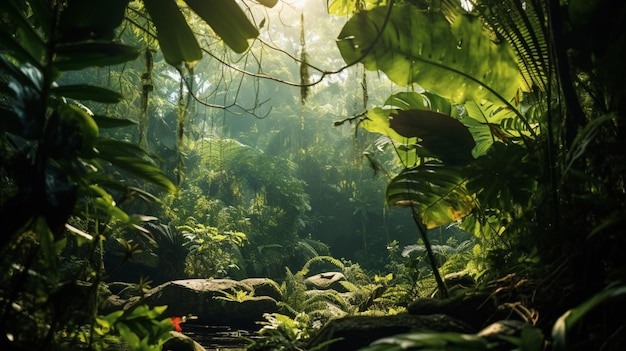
(176, 321)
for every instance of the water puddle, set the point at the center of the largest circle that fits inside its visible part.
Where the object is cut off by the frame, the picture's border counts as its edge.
(220, 338)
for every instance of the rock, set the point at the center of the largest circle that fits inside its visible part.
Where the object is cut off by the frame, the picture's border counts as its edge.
(264, 287)
(181, 342)
(206, 299)
(505, 327)
(117, 287)
(359, 331)
(478, 310)
(457, 283)
(326, 281)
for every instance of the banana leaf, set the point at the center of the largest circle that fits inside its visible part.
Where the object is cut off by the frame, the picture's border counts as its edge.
(436, 191)
(458, 61)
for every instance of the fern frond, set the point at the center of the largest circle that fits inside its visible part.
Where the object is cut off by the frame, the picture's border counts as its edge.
(307, 266)
(522, 24)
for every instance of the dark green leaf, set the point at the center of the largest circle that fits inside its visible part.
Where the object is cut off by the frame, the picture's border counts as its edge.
(175, 37)
(90, 19)
(504, 178)
(227, 20)
(86, 54)
(442, 135)
(26, 44)
(110, 122)
(88, 92)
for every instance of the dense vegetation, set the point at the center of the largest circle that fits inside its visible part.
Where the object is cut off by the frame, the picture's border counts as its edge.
(151, 140)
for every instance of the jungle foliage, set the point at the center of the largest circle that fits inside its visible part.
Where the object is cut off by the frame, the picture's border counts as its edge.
(525, 88)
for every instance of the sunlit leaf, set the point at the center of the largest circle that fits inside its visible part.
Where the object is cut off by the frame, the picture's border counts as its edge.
(436, 191)
(176, 39)
(76, 56)
(457, 61)
(88, 92)
(104, 202)
(227, 20)
(347, 7)
(86, 124)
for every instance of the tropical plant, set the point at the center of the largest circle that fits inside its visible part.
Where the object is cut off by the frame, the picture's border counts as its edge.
(505, 129)
(211, 253)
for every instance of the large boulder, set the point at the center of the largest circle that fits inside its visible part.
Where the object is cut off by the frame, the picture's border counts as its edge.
(181, 342)
(326, 281)
(353, 333)
(213, 301)
(264, 287)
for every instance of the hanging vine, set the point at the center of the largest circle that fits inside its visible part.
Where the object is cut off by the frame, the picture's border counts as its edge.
(147, 88)
(182, 109)
(304, 68)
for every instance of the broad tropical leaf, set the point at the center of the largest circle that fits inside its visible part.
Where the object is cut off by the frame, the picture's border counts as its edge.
(436, 191)
(76, 56)
(87, 92)
(504, 178)
(457, 61)
(110, 122)
(227, 20)
(176, 39)
(414, 120)
(442, 135)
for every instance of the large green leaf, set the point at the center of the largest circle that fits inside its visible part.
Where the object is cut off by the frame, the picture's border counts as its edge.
(176, 39)
(88, 92)
(111, 122)
(227, 20)
(457, 61)
(414, 120)
(504, 178)
(85, 54)
(442, 135)
(436, 191)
